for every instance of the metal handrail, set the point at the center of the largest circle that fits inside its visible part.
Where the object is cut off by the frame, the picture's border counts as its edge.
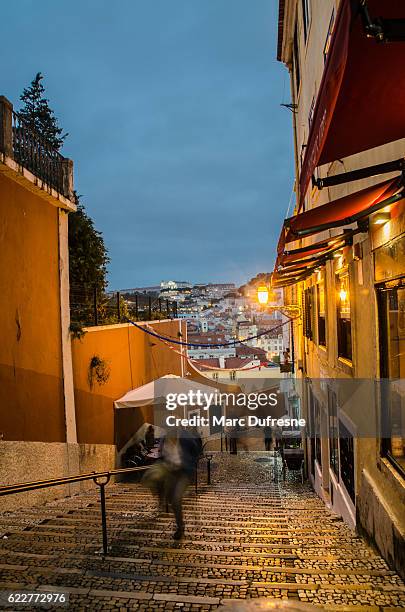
(208, 458)
(101, 479)
(54, 482)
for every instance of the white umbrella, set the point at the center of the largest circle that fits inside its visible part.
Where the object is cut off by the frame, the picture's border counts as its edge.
(156, 391)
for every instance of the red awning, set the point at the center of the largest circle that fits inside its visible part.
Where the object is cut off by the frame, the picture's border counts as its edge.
(284, 281)
(343, 211)
(314, 251)
(361, 98)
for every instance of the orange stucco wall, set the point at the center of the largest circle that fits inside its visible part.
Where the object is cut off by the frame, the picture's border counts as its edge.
(31, 392)
(133, 358)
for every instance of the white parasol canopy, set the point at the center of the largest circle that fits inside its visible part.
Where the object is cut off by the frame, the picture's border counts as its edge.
(156, 391)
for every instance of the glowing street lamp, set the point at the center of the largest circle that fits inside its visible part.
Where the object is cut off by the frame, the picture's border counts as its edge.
(381, 218)
(343, 295)
(263, 295)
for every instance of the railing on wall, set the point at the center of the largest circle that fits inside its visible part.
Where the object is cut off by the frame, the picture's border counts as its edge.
(90, 307)
(101, 479)
(20, 142)
(36, 155)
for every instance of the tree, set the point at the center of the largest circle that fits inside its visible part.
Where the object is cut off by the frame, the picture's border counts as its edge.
(37, 114)
(88, 260)
(88, 256)
(263, 278)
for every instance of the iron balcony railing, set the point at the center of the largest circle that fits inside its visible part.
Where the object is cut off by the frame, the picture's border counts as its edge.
(34, 153)
(91, 307)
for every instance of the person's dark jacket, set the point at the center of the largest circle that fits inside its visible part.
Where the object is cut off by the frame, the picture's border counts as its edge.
(190, 449)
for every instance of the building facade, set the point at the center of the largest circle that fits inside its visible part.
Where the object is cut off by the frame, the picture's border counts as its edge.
(341, 256)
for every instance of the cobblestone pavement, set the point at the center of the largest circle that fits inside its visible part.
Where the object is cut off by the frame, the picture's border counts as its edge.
(248, 535)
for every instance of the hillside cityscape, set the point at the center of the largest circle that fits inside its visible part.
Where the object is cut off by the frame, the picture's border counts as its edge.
(220, 313)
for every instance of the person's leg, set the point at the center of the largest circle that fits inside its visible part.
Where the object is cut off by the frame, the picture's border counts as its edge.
(177, 503)
(160, 489)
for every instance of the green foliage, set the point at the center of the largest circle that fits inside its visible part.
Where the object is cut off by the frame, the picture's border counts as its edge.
(37, 114)
(88, 257)
(107, 309)
(263, 278)
(99, 371)
(88, 260)
(87, 252)
(77, 330)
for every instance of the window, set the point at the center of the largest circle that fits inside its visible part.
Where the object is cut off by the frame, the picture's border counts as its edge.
(302, 154)
(315, 432)
(333, 433)
(321, 313)
(346, 446)
(391, 304)
(296, 59)
(329, 36)
(311, 113)
(308, 311)
(344, 325)
(306, 16)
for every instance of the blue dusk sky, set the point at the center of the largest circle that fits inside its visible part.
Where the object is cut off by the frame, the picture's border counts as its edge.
(182, 152)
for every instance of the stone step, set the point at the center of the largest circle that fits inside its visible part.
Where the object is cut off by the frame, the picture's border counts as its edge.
(220, 511)
(25, 561)
(135, 581)
(185, 585)
(162, 521)
(304, 555)
(97, 598)
(94, 511)
(69, 535)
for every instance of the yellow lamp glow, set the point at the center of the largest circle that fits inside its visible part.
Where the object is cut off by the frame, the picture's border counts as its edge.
(343, 295)
(381, 218)
(263, 295)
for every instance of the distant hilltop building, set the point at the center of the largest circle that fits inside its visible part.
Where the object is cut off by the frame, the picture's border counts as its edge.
(172, 285)
(152, 290)
(214, 290)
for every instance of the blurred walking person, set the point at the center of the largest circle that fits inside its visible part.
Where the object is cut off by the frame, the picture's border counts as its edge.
(175, 472)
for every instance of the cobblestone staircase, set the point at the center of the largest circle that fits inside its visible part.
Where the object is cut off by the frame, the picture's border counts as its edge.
(245, 537)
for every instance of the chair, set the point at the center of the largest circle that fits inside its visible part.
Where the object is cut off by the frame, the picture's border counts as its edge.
(293, 461)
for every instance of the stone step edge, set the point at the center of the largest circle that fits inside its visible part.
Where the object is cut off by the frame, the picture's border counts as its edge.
(213, 553)
(270, 586)
(320, 542)
(165, 521)
(192, 525)
(274, 569)
(142, 595)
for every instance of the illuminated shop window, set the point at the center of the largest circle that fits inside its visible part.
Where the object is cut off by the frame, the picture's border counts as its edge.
(344, 324)
(392, 359)
(321, 313)
(333, 433)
